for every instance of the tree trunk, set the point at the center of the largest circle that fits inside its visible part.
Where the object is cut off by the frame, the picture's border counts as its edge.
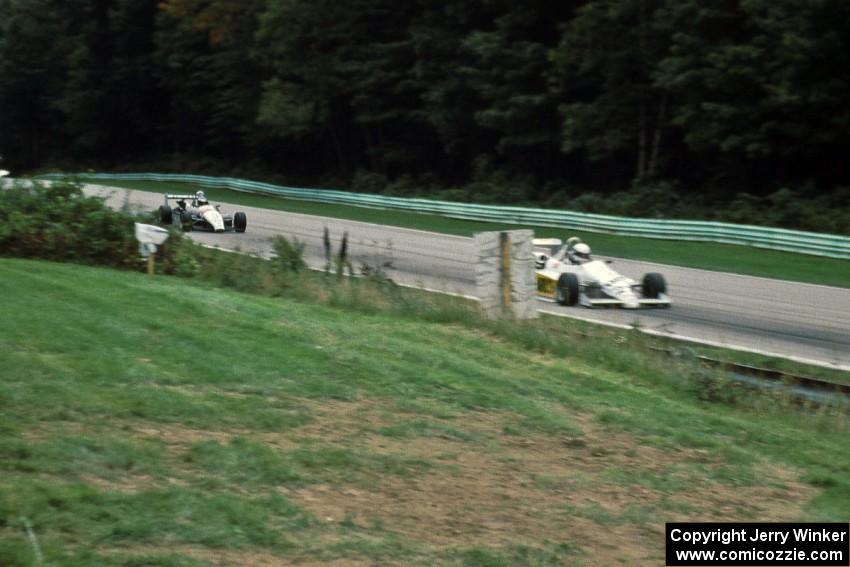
(34, 150)
(382, 161)
(642, 134)
(369, 136)
(641, 164)
(656, 138)
(340, 158)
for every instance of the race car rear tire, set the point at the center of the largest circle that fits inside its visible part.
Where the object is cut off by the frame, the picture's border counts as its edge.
(653, 285)
(165, 214)
(566, 292)
(240, 222)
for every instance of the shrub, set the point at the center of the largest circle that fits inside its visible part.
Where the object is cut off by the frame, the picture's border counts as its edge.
(289, 256)
(178, 256)
(58, 222)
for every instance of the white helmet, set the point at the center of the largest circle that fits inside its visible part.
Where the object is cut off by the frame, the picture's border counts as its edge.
(201, 197)
(581, 252)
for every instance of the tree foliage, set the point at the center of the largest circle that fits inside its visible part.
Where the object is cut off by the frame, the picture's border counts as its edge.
(533, 100)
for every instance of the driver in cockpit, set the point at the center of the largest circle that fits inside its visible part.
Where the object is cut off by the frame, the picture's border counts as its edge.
(579, 254)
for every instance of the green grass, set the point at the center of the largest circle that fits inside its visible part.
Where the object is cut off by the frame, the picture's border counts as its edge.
(160, 421)
(705, 255)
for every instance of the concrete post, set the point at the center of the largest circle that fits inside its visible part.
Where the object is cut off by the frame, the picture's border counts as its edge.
(504, 274)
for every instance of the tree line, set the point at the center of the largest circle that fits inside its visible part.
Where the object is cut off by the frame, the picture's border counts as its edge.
(663, 102)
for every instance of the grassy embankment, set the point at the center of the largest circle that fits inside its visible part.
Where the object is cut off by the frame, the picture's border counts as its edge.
(164, 422)
(709, 256)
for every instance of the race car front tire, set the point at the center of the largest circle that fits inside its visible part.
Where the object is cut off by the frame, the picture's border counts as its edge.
(653, 285)
(566, 292)
(165, 214)
(240, 222)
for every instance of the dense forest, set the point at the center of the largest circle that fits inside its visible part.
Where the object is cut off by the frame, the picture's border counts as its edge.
(733, 109)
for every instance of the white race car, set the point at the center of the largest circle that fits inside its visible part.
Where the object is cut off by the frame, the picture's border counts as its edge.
(567, 274)
(194, 212)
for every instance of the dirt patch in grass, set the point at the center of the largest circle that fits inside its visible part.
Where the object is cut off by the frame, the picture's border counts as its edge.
(178, 438)
(603, 492)
(217, 556)
(525, 490)
(54, 429)
(499, 490)
(129, 483)
(245, 558)
(336, 421)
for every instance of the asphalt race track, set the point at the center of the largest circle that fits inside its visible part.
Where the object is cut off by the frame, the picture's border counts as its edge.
(800, 321)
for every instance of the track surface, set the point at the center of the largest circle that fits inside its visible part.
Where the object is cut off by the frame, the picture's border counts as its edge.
(801, 321)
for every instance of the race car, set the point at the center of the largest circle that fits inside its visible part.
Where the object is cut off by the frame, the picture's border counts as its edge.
(194, 212)
(569, 275)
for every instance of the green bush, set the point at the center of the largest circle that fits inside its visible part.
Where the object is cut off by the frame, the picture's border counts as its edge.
(58, 222)
(289, 256)
(178, 256)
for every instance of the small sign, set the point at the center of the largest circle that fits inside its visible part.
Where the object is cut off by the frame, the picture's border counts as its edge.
(149, 237)
(150, 234)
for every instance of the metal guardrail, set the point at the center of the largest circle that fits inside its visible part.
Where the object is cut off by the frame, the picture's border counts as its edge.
(802, 388)
(829, 245)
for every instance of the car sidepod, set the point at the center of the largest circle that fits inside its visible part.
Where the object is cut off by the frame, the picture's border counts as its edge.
(212, 217)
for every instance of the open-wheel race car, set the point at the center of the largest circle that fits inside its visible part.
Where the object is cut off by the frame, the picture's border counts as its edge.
(194, 212)
(569, 275)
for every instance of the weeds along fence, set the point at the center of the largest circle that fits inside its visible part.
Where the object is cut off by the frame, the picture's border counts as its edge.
(828, 245)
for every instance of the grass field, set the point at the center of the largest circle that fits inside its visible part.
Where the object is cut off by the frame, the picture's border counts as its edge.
(162, 422)
(709, 256)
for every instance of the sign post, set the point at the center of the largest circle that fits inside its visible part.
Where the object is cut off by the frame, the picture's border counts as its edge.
(149, 237)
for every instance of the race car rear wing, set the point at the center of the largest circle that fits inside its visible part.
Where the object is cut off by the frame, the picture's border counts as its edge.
(168, 196)
(546, 242)
(547, 246)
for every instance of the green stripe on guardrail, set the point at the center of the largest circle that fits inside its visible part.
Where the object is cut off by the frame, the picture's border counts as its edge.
(829, 245)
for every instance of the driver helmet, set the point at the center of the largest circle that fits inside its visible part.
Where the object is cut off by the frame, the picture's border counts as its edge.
(581, 253)
(201, 198)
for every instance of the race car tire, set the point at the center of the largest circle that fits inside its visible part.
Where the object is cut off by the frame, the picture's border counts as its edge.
(186, 221)
(566, 292)
(653, 285)
(165, 214)
(240, 222)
